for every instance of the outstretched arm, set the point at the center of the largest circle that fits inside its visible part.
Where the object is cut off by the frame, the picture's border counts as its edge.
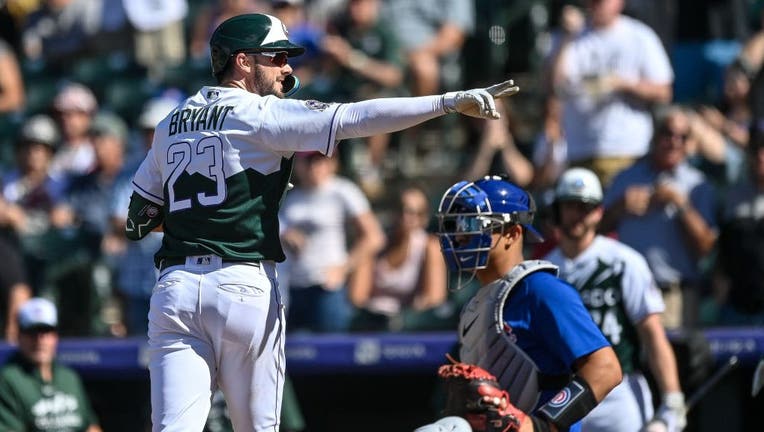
(387, 115)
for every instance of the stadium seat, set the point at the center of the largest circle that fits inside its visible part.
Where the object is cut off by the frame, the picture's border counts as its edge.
(39, 94)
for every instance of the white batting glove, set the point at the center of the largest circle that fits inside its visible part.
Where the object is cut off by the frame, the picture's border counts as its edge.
(479, 102)
(671, 415)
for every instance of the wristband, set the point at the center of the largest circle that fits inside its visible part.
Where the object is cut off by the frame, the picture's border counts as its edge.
(570, 405)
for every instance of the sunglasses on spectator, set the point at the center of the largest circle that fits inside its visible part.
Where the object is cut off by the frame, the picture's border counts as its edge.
(279, 58)
(668, 133)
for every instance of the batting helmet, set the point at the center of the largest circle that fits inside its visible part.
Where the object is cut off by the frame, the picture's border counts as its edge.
(470, 211)
(578, 184)
(249, 32)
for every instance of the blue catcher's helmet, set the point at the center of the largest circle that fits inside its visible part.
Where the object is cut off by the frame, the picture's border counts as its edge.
(470, 211)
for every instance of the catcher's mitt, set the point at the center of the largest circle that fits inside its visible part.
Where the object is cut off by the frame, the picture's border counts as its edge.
(474, 394)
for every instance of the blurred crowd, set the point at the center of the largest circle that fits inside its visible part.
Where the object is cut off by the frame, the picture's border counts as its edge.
(662, 99)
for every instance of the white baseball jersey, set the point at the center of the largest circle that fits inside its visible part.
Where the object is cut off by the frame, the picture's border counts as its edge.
(220, 164)
(615, 125)
(618, 289)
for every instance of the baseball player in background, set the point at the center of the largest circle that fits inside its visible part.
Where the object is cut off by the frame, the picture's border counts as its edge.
(214, 179)
(618, 288)
(525, 326)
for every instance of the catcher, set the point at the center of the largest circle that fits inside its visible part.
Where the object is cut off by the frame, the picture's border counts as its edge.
(533, 358)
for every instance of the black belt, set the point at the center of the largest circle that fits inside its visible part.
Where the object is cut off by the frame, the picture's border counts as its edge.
(175, 261)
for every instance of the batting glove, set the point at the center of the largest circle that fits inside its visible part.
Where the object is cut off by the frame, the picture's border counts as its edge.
(479, 102)
(671, 415)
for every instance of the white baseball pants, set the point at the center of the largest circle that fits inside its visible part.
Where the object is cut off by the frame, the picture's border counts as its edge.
(216, 324)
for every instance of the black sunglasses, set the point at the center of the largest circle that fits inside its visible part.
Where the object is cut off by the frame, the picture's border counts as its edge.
(668, 133)
(278, 58)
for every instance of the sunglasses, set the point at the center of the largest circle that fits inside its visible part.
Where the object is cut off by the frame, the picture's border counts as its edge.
(673, 134)
(279, 58)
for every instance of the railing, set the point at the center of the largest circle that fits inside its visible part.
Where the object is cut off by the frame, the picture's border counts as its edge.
(377, 353)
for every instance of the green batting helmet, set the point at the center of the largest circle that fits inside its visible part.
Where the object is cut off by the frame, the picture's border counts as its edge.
(249, 32)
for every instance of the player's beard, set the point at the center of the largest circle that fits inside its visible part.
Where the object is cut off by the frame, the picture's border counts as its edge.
(578, 229)
(265, 86)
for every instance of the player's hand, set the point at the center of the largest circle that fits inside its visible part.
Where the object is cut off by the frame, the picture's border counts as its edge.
(671, 415)
(636, 199)
(474, 394)
(479, 102)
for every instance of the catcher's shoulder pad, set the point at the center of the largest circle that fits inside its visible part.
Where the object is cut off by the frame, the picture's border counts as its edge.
(484, 341)
(515, 275)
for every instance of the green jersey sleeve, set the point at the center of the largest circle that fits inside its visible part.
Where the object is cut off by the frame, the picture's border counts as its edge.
(142, 217)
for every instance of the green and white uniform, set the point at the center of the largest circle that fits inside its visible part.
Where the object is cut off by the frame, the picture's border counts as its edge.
(30, 404)
(215, 177)
(619, 291)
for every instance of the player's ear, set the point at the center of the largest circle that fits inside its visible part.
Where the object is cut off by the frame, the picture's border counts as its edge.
(242, 60)
(513, 233)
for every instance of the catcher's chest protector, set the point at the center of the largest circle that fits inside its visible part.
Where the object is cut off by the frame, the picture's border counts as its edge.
(485, 343)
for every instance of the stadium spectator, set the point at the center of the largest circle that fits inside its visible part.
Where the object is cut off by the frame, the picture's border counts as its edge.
(86, 212)
(741, 243)
(74, 107)
(666, 210)
(318, 215)
(366, 63)
(30, 185)
(36, 392)
(397, 289)
(159, 33)
(607, 87)
(14, 290)
(497, 138)
(31, 193)
(550, 149)
(432, 33)
(61, 31)
(722, 129)
(11, 81)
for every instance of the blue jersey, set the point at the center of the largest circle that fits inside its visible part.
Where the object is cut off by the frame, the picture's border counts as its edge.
(551, 324)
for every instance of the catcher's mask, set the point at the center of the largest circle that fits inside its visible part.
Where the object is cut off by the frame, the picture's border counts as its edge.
(469, 212)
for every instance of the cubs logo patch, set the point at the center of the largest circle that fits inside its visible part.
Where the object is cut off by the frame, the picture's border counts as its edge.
(560, 398)
(315, 105)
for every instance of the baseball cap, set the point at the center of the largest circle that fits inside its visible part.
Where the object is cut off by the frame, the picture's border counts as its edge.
(154, 111)
(37, 313)
(75, 97)
(107, 124)
(41, 129)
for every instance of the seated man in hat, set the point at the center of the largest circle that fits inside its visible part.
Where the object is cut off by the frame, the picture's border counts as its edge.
(36, 392)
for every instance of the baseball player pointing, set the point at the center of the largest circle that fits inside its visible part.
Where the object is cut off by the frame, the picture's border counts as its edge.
(214, 179)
